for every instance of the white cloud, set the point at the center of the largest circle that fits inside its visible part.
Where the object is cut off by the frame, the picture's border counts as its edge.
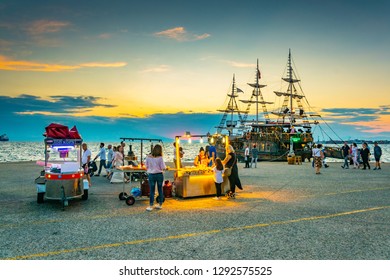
(180, 34)
(156, 69)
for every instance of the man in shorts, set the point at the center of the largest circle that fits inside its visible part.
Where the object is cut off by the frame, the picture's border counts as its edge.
(377, 155)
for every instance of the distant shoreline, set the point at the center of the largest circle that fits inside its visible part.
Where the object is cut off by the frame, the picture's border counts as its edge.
(356, 141)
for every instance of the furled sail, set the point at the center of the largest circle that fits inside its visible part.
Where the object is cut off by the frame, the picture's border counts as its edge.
(256, 85)
(288, 80)
(293, 95)
(254, 101)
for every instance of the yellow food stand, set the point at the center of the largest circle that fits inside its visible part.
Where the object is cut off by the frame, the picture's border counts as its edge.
(195, 181)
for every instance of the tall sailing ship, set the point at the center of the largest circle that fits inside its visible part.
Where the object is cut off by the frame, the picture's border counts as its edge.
(288, 134)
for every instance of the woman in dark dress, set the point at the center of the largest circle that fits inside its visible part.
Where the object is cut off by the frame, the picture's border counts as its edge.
(365, 153)
(231, 161)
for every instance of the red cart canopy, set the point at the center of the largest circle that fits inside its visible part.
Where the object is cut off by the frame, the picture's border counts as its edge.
(59, 131)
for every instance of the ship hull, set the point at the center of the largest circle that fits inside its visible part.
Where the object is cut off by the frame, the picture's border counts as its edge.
(272, 147)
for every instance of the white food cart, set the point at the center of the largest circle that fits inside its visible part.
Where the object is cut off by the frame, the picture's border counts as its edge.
(62, 177)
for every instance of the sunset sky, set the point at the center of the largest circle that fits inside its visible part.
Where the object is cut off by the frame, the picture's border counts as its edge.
(159, 68)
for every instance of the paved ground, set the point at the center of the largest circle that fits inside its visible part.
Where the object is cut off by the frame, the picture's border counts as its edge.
(285, 212)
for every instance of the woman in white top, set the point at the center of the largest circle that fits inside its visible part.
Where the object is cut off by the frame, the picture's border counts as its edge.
(318, 155)
(155, 166)
(117, 177)
(218, 170)
(354, 154)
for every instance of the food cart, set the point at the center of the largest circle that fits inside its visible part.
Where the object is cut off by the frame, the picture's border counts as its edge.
(194, 181)
(136, 170)
(62, 177)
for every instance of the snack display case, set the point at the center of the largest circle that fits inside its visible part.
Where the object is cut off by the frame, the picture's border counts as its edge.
(195, 181)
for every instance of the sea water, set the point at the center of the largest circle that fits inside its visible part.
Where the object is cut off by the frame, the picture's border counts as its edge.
(34, 151)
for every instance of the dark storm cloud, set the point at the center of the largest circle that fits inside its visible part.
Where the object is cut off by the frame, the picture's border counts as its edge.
(59, 104)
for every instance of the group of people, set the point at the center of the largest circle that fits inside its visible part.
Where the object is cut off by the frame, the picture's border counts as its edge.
(206, 156)
(251, 156)
(114, 157)
(155, 167)
(109, 158)
(352, 156)
(355, 156)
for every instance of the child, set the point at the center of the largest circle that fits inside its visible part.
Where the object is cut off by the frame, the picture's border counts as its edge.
(218, 171)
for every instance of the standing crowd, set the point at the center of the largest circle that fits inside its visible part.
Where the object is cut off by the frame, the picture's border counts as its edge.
(357, 157)
(207, 157)
(354, 156)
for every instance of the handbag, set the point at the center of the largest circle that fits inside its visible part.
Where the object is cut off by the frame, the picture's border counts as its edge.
(228, 170)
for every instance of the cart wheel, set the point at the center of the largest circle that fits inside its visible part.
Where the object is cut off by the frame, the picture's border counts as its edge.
(158, 199)
(130, 200)
(85, 195)
(122, 196)
(40, 197)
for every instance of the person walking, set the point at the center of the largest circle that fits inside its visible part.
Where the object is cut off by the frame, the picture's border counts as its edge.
(345, 153)
(102, 155)
(86, 158)
(318, 156)
(247, 158)
(218, 171)
(110, 156)
(155, 166)
(377, 156)
(255, 154)
(230, 161)
(354, 155)
(117, 163)
(365, 153)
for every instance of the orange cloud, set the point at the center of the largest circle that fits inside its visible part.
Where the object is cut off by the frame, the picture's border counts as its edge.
(22, 65)
(379, 126)
(180, 34)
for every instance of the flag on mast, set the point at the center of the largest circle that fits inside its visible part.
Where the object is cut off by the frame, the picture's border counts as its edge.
(258, 74)
(239, 90)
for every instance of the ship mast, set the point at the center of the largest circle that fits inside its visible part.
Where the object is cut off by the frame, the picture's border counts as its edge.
(230, 109)
(291, 95)
(257, 95)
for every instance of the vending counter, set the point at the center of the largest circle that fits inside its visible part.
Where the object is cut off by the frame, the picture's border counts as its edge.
(197, 182)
